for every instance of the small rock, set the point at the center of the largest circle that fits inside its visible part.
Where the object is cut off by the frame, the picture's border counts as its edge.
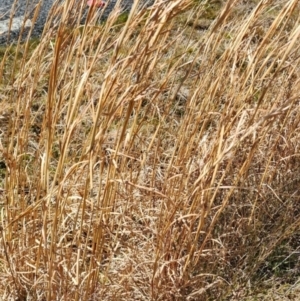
(16, 24)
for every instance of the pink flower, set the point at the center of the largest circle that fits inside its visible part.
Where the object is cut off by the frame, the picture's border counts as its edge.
(96, 3)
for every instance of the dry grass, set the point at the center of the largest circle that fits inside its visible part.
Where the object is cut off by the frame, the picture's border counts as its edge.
(156, 159)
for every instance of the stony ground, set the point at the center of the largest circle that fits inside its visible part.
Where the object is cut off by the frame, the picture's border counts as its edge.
(20, 10)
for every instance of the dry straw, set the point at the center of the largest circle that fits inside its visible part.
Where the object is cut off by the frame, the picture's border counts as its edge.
(144, 158)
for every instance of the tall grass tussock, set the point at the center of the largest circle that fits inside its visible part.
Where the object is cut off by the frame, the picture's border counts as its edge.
(153, 156)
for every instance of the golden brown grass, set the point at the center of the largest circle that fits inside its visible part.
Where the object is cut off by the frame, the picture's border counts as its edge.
(153, 160)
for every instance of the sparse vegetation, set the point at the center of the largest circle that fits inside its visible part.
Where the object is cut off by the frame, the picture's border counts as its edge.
(156, 160)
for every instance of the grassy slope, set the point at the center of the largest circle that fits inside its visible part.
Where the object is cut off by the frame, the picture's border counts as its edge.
(156, 159)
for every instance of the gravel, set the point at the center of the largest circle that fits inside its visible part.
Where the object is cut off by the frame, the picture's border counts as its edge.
(26, 8)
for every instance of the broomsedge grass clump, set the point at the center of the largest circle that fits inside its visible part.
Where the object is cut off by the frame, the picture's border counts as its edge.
(153, 159)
